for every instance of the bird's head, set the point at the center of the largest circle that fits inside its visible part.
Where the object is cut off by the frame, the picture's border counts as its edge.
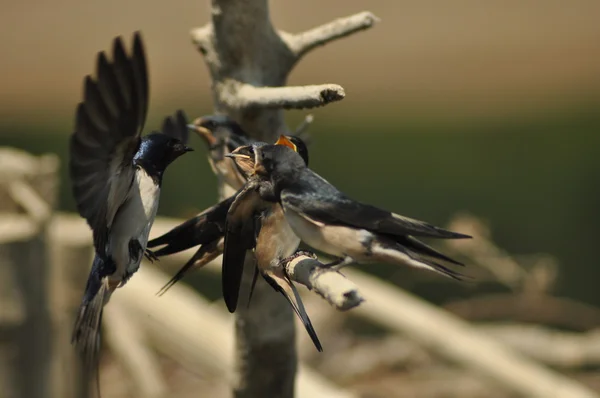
(157, 151)
(247, 159)
(216, 129)
(296, 144)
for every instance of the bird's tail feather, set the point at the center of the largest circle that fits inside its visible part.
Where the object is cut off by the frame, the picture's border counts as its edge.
(285, 287)
(427, 250)
(435, 266)
(204, 255)
(86, 333)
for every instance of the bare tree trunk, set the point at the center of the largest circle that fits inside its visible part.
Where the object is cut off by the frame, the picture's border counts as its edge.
(249, 62)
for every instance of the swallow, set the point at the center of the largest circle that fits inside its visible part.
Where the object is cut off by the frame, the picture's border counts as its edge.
(116, 177)
(329, 221)
(222, 135)
(207, 229)
(258, 226)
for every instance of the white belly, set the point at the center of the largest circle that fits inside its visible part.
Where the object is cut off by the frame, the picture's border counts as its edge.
(133, 221)
(334, 240)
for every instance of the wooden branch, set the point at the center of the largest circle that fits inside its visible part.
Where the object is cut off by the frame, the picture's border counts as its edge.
(458, 341)
(498, 262)
(15, 228)
(26, 352)
(197, 334)
(302, 43)
(548, 310)
(31, 201)
(552, 347)
(245, 96)
(71, 255)
(127, 341)
(327, 283)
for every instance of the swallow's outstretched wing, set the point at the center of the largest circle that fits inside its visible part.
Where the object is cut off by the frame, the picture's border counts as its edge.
(177, 127)
(289, 291)
(316, 199)
(108, 127)
(206, 227)
(243, 225)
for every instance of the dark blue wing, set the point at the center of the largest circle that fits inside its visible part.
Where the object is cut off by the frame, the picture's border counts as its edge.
(108, 126)
(315, 198)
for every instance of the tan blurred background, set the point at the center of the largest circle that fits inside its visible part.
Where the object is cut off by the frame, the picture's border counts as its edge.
(489, 108)
(434, 57)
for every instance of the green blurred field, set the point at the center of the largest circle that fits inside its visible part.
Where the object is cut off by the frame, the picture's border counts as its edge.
(535, 180)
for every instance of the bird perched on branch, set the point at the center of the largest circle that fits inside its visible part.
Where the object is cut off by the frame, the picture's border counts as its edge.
(329, 221)
(274, 241)
(116, 178)
(222, 135)
(260, 227)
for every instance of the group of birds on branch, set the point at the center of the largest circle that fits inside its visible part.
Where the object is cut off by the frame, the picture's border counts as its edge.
(116, 177)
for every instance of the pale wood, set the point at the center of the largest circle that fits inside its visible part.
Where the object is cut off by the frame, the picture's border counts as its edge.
(128, 342)
(28, 190)
(71, 254)
(457, 340)
(186, 327)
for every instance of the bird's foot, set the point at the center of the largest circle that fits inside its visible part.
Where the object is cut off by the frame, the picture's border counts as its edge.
(297, 254)
(149, 254)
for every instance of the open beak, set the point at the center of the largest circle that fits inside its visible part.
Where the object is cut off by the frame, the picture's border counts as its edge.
(237, 155)
(283, 140)
(203, 132)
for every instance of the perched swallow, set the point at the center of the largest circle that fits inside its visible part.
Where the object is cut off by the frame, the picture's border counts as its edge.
(222, 135)
(207, 228)
(331, 222)
(274, 242)
(116, 178)
(260, 226)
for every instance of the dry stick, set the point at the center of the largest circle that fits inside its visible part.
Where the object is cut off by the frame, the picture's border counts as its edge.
(245, 96)
(127, 341)
(302, 43)
(189, 329)
(460, 342)
(331, 285)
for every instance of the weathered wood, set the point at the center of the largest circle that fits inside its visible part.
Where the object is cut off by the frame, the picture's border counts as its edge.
(249, 62)
(72, 253)
(28, 192)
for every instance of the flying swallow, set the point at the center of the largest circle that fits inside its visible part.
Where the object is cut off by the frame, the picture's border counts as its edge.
(116, 178)
(333, 223)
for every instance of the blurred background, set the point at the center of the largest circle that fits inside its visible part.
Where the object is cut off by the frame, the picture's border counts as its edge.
(483, 114)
